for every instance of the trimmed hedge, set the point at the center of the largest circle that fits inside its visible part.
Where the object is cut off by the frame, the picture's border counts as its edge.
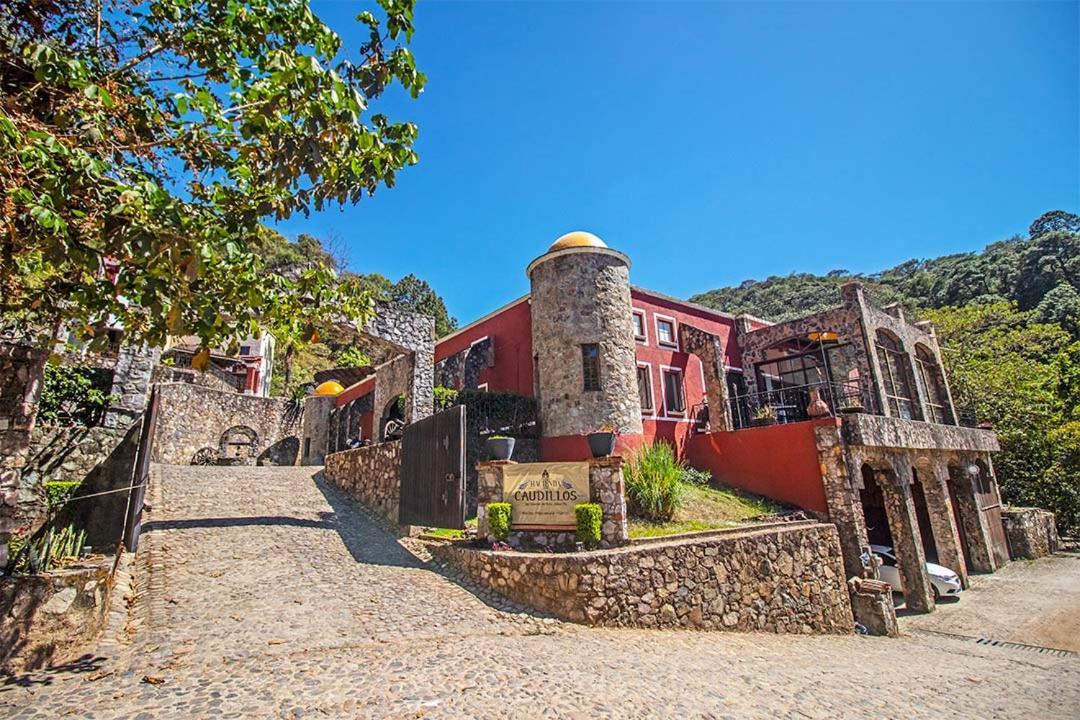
(589, 518)
(58, 492)
(498, 516)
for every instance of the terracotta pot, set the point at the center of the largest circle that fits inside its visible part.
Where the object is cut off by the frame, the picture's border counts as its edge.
(602, 444)
(817, 407)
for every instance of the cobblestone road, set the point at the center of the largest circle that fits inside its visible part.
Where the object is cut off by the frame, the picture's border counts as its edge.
(264, 594)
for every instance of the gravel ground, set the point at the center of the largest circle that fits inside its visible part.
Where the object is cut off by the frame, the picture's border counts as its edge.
(263, 593)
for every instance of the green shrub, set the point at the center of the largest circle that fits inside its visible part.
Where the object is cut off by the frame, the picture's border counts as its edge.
(49, 551)
(445, 398)
(693, 476)
(73, 395)
(58, 492)
(498, 516)
(654, 483)
(589, 519)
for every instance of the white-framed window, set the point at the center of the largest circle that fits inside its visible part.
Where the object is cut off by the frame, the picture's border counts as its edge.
(644, 386)
(482, 387)
(641, 334)
(666, 331)
(672, 388)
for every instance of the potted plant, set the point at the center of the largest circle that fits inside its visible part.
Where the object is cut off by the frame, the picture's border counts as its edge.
(765, 415)
(499, 447)
(602, 440)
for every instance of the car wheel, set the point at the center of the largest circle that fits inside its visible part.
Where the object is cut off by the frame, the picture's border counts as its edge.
(937, 593)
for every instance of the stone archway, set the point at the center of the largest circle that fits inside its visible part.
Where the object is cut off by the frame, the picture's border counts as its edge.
(892, 478)
(392, 418)
(239, 445)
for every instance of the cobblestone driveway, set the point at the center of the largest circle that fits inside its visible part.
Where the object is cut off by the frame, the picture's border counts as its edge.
(265, 594)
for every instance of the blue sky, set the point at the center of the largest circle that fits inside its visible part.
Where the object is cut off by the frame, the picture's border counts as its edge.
(715, 142)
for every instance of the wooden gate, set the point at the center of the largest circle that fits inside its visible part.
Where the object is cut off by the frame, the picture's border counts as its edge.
(990, 507)
(141, 476)
(433, 471)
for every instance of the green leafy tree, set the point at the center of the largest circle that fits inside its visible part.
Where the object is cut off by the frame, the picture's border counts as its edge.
(156, 137)
(1020, 374)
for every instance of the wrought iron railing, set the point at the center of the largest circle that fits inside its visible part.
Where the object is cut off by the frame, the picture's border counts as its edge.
(791, 404)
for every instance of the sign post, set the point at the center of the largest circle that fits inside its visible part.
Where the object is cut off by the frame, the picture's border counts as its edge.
(542, 496)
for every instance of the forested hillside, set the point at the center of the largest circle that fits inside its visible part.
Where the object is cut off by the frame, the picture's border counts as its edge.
(1008, 319)
(306, 351)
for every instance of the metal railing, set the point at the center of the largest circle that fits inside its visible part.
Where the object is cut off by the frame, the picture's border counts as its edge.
(789, 404)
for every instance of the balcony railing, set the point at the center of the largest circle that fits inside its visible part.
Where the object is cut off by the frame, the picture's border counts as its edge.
(789, 404)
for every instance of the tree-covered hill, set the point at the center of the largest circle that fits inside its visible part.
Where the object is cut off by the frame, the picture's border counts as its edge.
(1039, 273)
(1008, 320)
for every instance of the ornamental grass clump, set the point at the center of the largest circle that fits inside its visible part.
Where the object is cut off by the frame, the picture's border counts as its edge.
(498, 517)
(589, 518)
(654, 484)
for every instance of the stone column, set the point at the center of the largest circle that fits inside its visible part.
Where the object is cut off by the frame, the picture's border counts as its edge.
(841, 497)
(606, 488)
(315, 441)
(708, 349)
(21, 369)
(489, 489)
(131, 384)
(935, 482)
(907, 541)
(976, 533)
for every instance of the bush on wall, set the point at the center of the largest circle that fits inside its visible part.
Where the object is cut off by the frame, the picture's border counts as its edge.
(654, 485)
(590, 518)
(73, 395)
(498, 516)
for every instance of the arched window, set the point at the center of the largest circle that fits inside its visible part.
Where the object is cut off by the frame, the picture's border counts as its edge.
(896, 376)
(937, 400)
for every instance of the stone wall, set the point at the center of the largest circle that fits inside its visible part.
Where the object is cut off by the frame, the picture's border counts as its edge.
(21, 368)
(1030, 532)
(191, 418)
(776, 579)
(45, 619)
(583, 296)
(63, 453)
(369, 475)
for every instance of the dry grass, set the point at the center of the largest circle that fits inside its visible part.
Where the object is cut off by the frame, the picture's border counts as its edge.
(706, 508)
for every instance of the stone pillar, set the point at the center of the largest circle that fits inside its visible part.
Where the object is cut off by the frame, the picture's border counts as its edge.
(907, 541)
(489, 489)
(131, 384)
(976, 533)
(315, 440)
(708, 349)
(935, 483)
(841, 497)
(606, 488)
(581, 295)
(21, 370)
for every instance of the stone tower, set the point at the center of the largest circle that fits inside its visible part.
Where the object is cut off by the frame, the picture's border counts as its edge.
(581, 298)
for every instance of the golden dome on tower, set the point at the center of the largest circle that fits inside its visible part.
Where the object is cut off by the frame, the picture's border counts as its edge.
(577, 239)
(330, 388)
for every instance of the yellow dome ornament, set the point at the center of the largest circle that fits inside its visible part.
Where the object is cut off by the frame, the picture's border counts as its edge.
(577, 239)
(330, 388)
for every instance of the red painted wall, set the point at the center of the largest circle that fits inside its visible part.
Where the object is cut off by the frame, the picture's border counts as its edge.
(511, 334)
(660, 424)
(778, 461)
(354, 391)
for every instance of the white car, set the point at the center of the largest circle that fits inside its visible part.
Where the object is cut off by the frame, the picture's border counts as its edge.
(944, 581)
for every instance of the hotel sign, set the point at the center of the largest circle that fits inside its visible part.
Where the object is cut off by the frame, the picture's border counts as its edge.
(543, 495)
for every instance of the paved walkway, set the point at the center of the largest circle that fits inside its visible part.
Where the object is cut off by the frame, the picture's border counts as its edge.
(264, 594)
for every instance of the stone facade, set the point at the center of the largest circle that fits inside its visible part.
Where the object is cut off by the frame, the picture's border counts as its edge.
(317, 430)
(710, 351)
(21, 368)
(414, 334)
(369, 475)
(192, 418)
(461, 371)
(784, 579)
(606, 488)
(582, 296)
(1031, 532)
